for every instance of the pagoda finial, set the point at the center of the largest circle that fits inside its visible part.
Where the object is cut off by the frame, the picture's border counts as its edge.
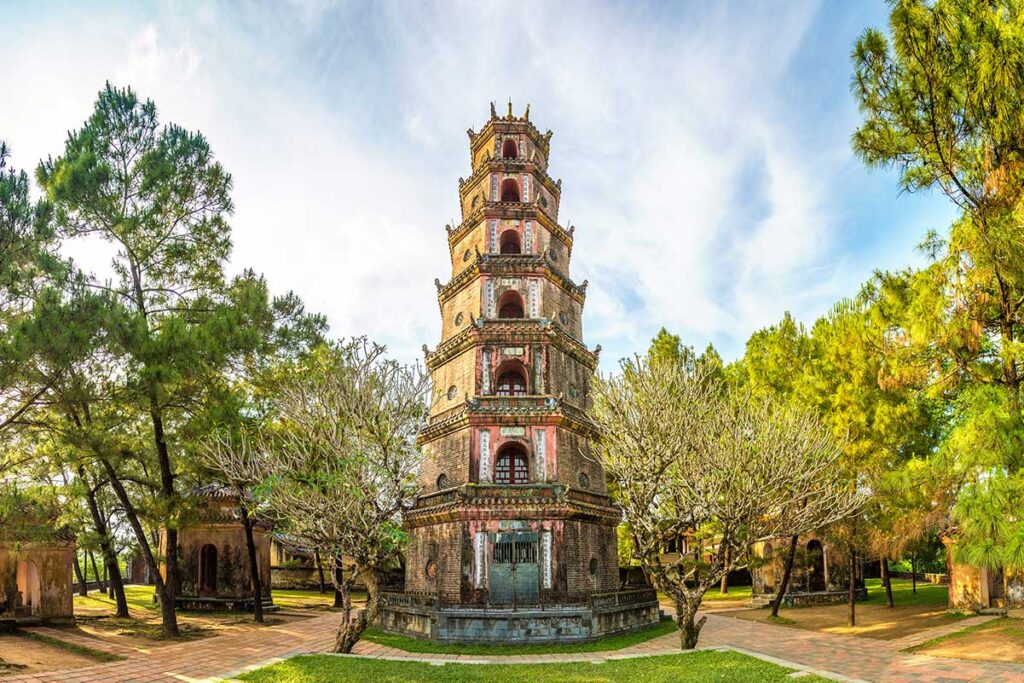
(526, 114)
(494, 114)
(510, 107)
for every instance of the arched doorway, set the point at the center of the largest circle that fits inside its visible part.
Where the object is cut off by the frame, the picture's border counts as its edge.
(28, 587)
(510, 305)
(815, 566)
(509, 243)
(768, 568)
(512, 465)
(208, 570)
(509, 149)
(509, 190)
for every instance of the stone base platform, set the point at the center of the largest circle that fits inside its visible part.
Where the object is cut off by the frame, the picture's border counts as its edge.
(424, 617)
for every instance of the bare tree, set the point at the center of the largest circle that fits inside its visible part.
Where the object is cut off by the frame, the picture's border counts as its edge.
(339, 463)
(692, 459)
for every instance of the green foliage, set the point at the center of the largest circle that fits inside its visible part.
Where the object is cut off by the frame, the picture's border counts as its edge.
(942, 101)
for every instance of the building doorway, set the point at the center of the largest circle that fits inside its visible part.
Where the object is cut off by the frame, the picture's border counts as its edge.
(815, 566)
(515, 569)
(996, 588)
(208, 570)
(28, 588)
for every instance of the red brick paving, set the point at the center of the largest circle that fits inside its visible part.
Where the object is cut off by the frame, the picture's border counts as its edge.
(852, 657)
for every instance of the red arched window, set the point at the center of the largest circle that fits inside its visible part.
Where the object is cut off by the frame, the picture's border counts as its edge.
(511, 382)
(509, 190)
(509, 242)
(512, 466)
(509, 150)
(510, 305)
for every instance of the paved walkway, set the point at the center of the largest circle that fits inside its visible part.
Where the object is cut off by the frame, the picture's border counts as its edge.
(840, 657)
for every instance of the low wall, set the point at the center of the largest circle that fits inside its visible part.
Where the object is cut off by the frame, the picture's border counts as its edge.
(822, 598)
(296, 578)
(921, 576)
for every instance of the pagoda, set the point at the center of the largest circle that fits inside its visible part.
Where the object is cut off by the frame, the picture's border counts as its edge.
(513, 533)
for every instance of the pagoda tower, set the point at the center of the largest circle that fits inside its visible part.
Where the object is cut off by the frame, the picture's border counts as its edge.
(513, 509)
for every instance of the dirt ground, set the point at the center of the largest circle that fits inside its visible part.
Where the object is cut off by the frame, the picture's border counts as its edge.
(1000, 641)
(873, 621)
(94, 617)
(19, 655)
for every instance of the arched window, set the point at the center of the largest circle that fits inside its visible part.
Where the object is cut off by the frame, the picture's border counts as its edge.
(510, 242)
(208, 569)
(509, 190)
(512, 466)
(509, 150)
(510, 305)
(511, 382)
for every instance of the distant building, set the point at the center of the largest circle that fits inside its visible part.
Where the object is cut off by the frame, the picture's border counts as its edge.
(36, 561)
(972, 589)
(213, 557)
(820, 575)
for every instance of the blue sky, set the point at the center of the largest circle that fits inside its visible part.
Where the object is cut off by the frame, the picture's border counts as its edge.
(703, 147)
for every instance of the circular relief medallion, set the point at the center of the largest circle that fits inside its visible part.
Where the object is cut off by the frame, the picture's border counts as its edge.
(452, 390)
(544, 201)
(573, 392)
(593, 566)
(466, 255)
(563, 318)
(459, 318)
(442, 481)
(584, 480)
(431, 569)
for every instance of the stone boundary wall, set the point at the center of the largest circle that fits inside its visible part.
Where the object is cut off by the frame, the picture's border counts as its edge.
(922, 576)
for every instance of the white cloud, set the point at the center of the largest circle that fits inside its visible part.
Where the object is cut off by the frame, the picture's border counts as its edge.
(699, 204)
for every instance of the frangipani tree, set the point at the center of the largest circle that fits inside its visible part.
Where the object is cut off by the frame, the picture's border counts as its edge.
(687, 456)
(338, 462)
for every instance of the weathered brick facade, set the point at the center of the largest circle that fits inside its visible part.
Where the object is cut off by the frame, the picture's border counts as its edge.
(513, 509)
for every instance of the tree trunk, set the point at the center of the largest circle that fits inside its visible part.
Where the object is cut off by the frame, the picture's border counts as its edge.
(164, 590)
(320, 569)
(339, 577)
(724, 589)
(887, 582)
(780, 590)
(167, 492)
(106, 547)
(349, 630)
(254, 569)
(851, 620)
(689, 627)
(96, 573)
(83, 588)
(913, 574)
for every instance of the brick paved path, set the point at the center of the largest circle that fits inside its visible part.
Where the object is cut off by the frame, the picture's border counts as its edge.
(850, 658)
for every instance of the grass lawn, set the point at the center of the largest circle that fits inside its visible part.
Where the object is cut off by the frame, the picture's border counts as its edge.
(695, 667)
(610, 643)
(999, 640)
(930, 594)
